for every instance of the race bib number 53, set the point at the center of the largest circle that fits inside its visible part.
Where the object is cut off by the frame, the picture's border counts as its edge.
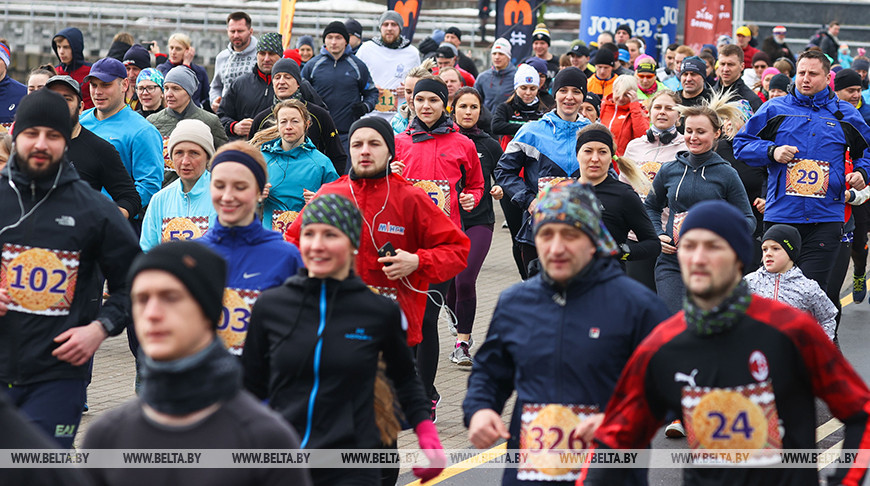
(38, 280)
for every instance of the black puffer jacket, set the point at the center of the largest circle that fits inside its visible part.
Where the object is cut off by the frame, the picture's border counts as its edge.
(54, 261)
(488, 151)
(513, 114)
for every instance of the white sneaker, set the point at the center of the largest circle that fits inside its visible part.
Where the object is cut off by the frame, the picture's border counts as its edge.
(675, 430)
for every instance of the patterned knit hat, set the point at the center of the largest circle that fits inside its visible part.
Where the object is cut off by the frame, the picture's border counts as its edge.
(152, 75)
(336, 211)
(270, 42)
(574, 204)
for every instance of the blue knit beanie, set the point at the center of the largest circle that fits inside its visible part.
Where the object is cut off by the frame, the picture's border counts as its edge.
(725, 220)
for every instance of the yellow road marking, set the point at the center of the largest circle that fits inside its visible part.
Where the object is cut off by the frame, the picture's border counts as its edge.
(828, 457)
(463, 466)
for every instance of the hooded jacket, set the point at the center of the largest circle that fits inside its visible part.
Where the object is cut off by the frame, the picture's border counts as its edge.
(78, 68)
(229, 64)
(394, 211)
(822, 127)
(560, 345)
(172, 202)
(257, 258)
(11, 92)
(322, 131)
(488, 151)
(342, 83)
(795, 289)
(542, 148)
(75, 238)
(442, 154)
(312, 350)
(291, 171)
(678, 186)
(511, 115)
(495, 86)
(626, 122)
(251, 94)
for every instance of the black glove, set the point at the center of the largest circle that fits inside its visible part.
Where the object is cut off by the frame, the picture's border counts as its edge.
(359, 109)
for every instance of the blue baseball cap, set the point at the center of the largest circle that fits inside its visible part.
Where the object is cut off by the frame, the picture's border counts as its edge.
(107, 70)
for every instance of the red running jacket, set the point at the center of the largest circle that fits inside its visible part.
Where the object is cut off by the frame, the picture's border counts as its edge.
(403, 215)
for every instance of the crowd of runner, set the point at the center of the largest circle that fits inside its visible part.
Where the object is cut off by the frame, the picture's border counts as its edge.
(279, 242)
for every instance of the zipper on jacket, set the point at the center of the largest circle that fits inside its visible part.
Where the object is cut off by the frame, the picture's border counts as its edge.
(776, 287)
(33, 190)
(562, 299)
(317, 350)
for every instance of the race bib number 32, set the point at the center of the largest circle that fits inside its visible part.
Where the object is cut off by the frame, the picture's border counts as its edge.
(807, 178)
(235, 318)
(39, 281)
(545, 434)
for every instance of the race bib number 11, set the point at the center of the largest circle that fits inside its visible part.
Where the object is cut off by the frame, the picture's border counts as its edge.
(39, 281)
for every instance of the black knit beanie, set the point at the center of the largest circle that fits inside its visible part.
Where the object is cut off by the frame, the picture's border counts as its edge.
(432, 86)
(336, 27)
(569, 76)
(846, 78)
(289, 66)
(780, 82)
(379, 125)
(788, 237)
(604, 56)
(200, 269)
(43, 108)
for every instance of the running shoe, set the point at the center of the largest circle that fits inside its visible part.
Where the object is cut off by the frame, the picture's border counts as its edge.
(859, 288)
(675, 430)
(460, 354)
(451, 324)
(435, 401)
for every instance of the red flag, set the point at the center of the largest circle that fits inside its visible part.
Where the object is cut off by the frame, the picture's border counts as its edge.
(706, 20)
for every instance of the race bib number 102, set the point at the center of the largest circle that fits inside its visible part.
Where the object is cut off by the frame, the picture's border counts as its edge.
(38, 280)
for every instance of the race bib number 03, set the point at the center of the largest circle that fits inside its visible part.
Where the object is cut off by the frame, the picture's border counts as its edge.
(438, 191)
(545, 432)
(386, 100)
(183, 228)
(235, 318)
(168, 166)
(743, 417)
(39, 281)
(807, 178)
(281, 220)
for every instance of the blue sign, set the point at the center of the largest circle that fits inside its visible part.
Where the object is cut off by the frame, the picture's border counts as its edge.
(655, 21)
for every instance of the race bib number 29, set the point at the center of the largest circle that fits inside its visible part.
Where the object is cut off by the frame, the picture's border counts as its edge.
(38, 280)
(807, 178)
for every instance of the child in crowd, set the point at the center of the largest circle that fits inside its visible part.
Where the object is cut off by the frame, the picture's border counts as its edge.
(779, 278)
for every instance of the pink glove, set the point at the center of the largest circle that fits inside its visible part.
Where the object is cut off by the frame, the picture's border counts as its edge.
(427, 437)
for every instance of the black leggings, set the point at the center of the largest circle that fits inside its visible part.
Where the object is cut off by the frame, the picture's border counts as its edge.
(462, 297)
(861, 215)
(428, 349)
(514, 218)
(838, 275)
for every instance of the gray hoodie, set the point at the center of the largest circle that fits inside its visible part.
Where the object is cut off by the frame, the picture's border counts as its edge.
(688, 181)
(229, 65)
